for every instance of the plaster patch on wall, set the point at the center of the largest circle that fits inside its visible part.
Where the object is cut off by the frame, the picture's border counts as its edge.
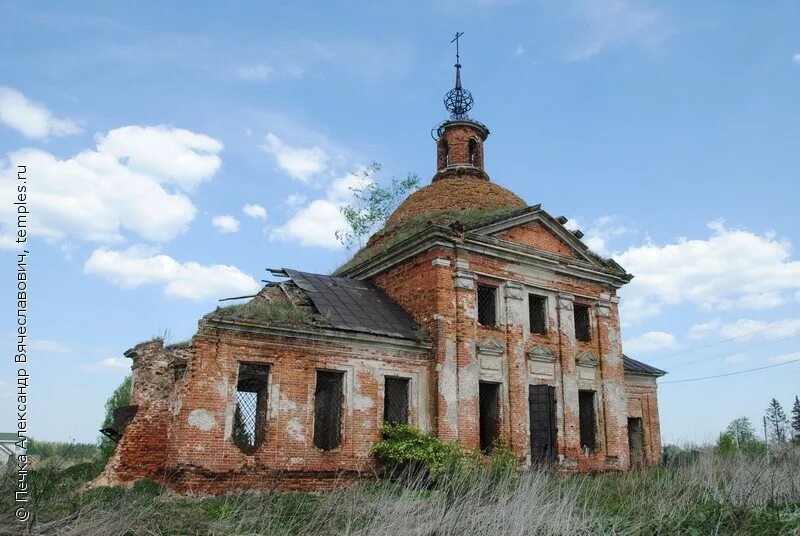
(471, 309)
(284, 404)
(295, 429)
(448, 382)
(222, 388)
(202, 419)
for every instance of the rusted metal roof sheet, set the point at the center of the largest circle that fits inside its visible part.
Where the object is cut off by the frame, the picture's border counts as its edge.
(637, 367)
(355, 305)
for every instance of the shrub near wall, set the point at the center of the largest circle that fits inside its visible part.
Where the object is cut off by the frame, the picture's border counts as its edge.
(405, 450)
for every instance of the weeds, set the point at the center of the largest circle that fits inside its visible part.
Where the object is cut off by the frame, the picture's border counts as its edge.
(706, 495)
(266, 312)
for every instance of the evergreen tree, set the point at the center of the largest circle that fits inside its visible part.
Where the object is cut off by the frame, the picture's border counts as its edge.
(776, 422)
(796, 419)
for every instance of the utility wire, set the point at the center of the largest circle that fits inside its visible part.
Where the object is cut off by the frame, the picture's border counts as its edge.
(726, 354)
(748, 334)
(731, 373)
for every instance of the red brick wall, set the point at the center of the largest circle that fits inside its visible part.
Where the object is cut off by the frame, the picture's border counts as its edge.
(194, 419)
(536, 236)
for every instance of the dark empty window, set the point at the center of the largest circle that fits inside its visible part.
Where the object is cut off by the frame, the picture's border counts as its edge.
(395, 400)
(489, 399)
(250, 415)
(537, 310)
(487, 305)
(587, 420)
(473, 152)
(582, 331)
(444, 154)
(328, 409)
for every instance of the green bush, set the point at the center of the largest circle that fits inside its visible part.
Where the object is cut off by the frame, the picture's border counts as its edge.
(725, 446)
(404, 448)
(120, 397)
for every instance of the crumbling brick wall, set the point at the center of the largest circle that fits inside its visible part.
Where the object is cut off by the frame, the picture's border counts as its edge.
(182, 434)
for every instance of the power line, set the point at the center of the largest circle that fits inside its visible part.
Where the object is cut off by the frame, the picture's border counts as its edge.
(726, 354)
(708, 345)
(731, 373)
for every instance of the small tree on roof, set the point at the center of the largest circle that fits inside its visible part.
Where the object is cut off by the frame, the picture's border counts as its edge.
(371, 204)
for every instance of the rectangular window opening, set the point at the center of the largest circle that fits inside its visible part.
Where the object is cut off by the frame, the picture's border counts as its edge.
(328, 409)
(489, 401)
(582, 329)
(587, 420)
(395, 400)
(537, 310)
(487, 305)
(250, 414)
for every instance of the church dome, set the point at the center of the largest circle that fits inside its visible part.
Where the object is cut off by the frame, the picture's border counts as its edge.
(457, 193)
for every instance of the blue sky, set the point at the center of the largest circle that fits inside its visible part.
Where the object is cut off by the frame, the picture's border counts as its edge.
(178, 152)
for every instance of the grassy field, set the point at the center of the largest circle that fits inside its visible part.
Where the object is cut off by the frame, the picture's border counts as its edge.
(701, 494)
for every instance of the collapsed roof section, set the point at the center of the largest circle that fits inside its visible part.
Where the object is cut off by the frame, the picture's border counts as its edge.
(325, 301)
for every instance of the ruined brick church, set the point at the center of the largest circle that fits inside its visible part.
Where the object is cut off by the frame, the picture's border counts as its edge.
(470, 315)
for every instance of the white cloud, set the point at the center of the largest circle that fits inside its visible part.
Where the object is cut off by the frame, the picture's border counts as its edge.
(300, 163)
(736, 358)
(316, 223)
(49, 346)
(649, 342)
(122, 185)
(255, 73)
(297, 199)
(169, 155)
(138, 265)
(519, 51)
(796, 58)
(613, 23)
(114, 363)
(256, 212)
(32, 120)
(225, 224)
(313, 225)
(731, 269)
(783, 358)
(600, 232)
(746, 329)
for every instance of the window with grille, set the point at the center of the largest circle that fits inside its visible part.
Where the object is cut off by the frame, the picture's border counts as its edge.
(587, 420)
(328, 409)
(487, 305)
(250, 414)
(395, 400)
(489, 400)
(582, 330)
(537, 311)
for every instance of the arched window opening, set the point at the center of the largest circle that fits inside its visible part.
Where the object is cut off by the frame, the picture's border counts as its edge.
(473, 152)
(444, 153)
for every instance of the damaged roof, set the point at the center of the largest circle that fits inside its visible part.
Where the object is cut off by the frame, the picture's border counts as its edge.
(355, 305)
(637, 367)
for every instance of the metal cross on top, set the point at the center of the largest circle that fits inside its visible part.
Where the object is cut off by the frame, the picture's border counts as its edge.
(455, 40)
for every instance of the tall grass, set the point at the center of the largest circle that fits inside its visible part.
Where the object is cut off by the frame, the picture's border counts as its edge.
(708, 495)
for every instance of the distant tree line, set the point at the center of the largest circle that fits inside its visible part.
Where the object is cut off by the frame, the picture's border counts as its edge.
(741, 435)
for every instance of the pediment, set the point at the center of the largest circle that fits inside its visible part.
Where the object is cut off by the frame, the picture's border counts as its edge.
(540, 352)
(490, 347)
(587, 359)
(536, 229)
